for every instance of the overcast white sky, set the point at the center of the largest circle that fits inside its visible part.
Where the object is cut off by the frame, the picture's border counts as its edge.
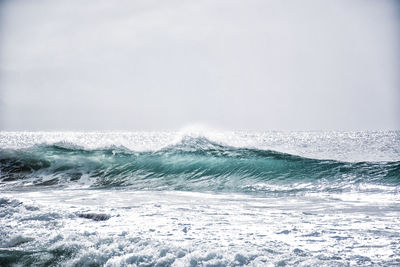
(156, 64)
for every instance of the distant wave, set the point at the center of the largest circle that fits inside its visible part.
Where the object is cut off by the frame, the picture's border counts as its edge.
(195, 164)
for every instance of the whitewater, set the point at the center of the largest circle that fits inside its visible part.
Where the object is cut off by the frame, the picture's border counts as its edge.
(200, 198)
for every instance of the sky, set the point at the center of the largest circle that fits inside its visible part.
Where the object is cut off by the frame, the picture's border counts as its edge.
(229, 64)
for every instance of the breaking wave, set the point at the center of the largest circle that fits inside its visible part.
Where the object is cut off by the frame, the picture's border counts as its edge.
(193, 164)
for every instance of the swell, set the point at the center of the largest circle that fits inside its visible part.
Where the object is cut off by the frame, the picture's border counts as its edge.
(193, 164)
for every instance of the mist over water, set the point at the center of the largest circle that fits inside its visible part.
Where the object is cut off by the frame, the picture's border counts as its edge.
(151, 65)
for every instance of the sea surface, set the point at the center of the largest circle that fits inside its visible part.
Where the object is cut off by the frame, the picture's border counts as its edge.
(200, 198)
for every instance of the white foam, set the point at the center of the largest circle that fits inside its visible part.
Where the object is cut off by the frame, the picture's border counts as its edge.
(183, 228)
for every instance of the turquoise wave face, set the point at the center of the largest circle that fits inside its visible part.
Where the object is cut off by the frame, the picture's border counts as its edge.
(194, 164)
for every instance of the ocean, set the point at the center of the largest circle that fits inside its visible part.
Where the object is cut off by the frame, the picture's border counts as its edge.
(208, 198)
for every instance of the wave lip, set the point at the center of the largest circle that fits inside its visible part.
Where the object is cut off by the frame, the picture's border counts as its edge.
(194, 164)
